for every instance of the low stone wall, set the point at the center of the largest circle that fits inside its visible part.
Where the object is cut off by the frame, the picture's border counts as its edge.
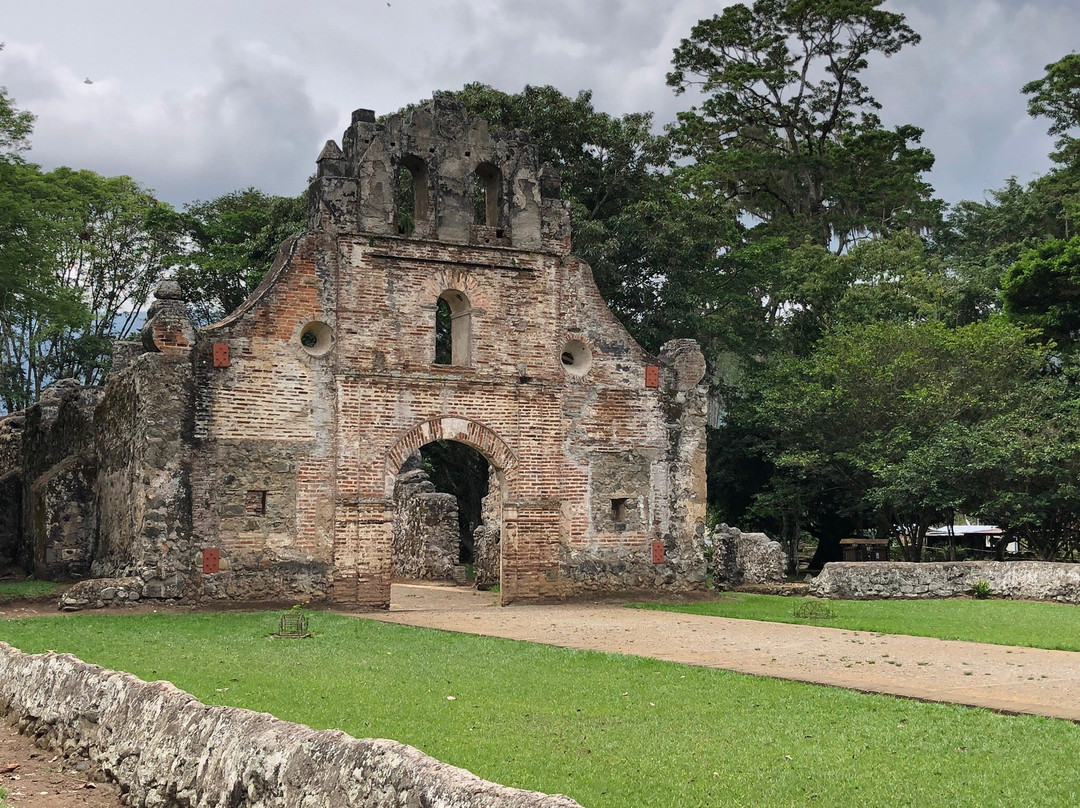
(630, 568)
(1031, 580)
(167, 749)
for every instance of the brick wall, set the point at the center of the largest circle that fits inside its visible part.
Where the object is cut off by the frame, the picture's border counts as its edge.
(595, 466)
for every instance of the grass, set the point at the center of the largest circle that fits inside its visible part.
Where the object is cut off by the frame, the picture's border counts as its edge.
(22, 590)
(608, 730)
(1001, 622)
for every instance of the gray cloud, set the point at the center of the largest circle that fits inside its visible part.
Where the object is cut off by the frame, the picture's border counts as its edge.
(252, 123)
(200, 98)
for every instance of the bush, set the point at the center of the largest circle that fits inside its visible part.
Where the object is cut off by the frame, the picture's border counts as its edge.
(981, 589)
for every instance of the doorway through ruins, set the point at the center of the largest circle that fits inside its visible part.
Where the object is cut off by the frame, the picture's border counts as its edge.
(447, 516)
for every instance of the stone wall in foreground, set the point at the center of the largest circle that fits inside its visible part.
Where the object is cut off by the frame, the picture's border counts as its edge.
(167, 749)
(1031, 580)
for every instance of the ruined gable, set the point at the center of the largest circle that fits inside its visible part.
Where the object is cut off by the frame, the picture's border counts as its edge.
(433, 298)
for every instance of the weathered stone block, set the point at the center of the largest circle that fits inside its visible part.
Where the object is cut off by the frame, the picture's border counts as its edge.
(746, 558)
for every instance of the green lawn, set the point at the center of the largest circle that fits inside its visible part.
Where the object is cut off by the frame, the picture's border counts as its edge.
(608, 730)
(1002, 622)
(19, 590)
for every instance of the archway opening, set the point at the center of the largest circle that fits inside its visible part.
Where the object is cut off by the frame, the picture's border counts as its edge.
(411, 194)
(485, 195)
(453, 328)
(447, 516)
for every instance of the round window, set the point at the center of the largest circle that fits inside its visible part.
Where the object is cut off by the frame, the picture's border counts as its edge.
(316, 338)
(576, 358)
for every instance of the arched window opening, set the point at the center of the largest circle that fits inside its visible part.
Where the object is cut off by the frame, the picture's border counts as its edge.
(453, 315)
(444, 351)
(486, 201)
(411, 194)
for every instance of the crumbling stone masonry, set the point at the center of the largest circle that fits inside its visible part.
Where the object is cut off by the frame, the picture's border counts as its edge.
(426, 532)
(257, 458)
(746, 558)
(1028, 580)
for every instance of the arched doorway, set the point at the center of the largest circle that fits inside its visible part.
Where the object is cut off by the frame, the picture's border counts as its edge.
(501, 498)
(447, 516)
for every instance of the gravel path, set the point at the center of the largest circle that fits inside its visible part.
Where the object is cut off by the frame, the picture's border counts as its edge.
(1004, 678)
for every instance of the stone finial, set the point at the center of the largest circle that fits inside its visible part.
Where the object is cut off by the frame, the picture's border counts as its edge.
(684, 360)
(167, 328)
(169, 289)
(330, 152)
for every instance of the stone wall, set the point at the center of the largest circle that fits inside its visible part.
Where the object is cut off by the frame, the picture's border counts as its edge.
(142, 433)
(167, 749)
(487, 538)
(59, 466)
(427, 534)
(1032, 580)
(745, 558)
(11, 489)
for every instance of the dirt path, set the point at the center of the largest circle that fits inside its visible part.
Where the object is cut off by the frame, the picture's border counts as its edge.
(36, 778)
(1004, 678)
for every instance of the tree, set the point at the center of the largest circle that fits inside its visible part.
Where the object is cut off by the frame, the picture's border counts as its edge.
(1042, 289)
(1057, 96)
(89, 250)
(787, 129)
(16, 127)
(233, 242)
(36, 308)
(875, 427)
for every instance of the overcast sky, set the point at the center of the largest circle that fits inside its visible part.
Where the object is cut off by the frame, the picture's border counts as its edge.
(197, 98)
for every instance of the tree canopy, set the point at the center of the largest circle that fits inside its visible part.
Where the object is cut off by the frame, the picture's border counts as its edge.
(878, 362)
(785, 127)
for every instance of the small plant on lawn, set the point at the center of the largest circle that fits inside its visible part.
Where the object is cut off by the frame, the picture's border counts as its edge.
(294, 623)
(981, 589)
(814, 609)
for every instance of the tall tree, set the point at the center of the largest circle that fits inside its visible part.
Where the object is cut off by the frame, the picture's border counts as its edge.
(875, 426)
(89, 249)
(233, 241)
(786, 127)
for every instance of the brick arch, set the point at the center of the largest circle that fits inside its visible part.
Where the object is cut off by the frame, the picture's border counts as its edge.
(463, 430)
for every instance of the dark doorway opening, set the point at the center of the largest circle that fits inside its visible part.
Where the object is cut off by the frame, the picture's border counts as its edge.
(460, 470)
(448, 516)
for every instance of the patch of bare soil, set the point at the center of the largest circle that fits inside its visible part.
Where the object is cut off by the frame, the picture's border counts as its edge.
(38, 778)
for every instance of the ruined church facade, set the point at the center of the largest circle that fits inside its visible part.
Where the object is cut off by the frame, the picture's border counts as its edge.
(256, 458)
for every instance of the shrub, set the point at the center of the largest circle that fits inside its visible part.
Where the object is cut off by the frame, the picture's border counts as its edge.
(981, 589)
